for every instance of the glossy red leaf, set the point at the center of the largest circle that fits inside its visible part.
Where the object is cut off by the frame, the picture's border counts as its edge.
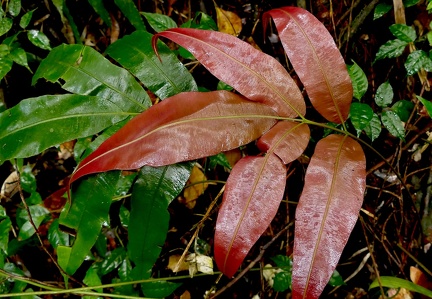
(252, 195)
(184, 127)
(316, 60)
(327, 212)
(256, 75)
(286, 139)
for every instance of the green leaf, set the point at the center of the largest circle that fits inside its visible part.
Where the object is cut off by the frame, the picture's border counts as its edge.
(359, 80)
(5, 25)
(89, 210)
(373, 129)
(403, 32)
(92, 279)
(403, 109)
(14, 7)
(101, 11)
(39, 39)
(360, 115)
(393, 123)
(152, 192)
(384, 95)
(130, 11)
(282, 281)
(36, 124)
(84, 71)
(416, 61)
(394, 282)
(26, 18)
(381, 9)
(409, 3)
(38, 214)
(57, 237)
(4, 50)
(18, 286)
(5, 66)
(336, 279)
(223, 86)
(114, 260)
(391, 49)
(159, 22)
(283, 262)
(159, 289)
(5, 227)
(201, 21)
(219, 159)
(19, 56)
(166, 78)
(27, 179)
(427, 104)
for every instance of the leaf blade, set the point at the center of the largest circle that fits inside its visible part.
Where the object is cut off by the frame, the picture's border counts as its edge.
(316, 60)
(87, 72)
(166, 78)
(252, 195)
(155, 133)
(287, 140)
(327, 212)
(256, 75)
(35, 124)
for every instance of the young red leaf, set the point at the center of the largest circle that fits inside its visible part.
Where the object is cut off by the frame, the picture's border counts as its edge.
(256, 75)
(327, 212)
(184, 127)
(316, 60)
(252, 195)
(286, 139)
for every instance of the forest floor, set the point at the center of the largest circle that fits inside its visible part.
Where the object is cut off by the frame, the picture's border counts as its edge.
(394, 231)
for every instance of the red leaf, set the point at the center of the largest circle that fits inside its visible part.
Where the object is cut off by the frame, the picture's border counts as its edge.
(184, 127)
(327, 212)
(316, 60)
(252, 195)
(256, 75)
(286, 139)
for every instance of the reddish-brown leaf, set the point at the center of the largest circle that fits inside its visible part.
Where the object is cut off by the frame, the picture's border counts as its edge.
(286, 139)
(327, 212)
(316, 60)
(252, 195)
(184, 127)
(256, 75)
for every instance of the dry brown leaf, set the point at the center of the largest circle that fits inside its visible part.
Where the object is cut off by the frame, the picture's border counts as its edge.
(228, 22)
(185, 295)
(195, 187)
(233, 156)
(173, 261)
(10, 186)
(399, 294)
(419, 278)
(66, 150)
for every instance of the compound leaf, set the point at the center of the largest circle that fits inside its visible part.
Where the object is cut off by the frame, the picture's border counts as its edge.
(316, 60)
(328, 209)
(187, 126)
(252, 195)
(256, 75)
